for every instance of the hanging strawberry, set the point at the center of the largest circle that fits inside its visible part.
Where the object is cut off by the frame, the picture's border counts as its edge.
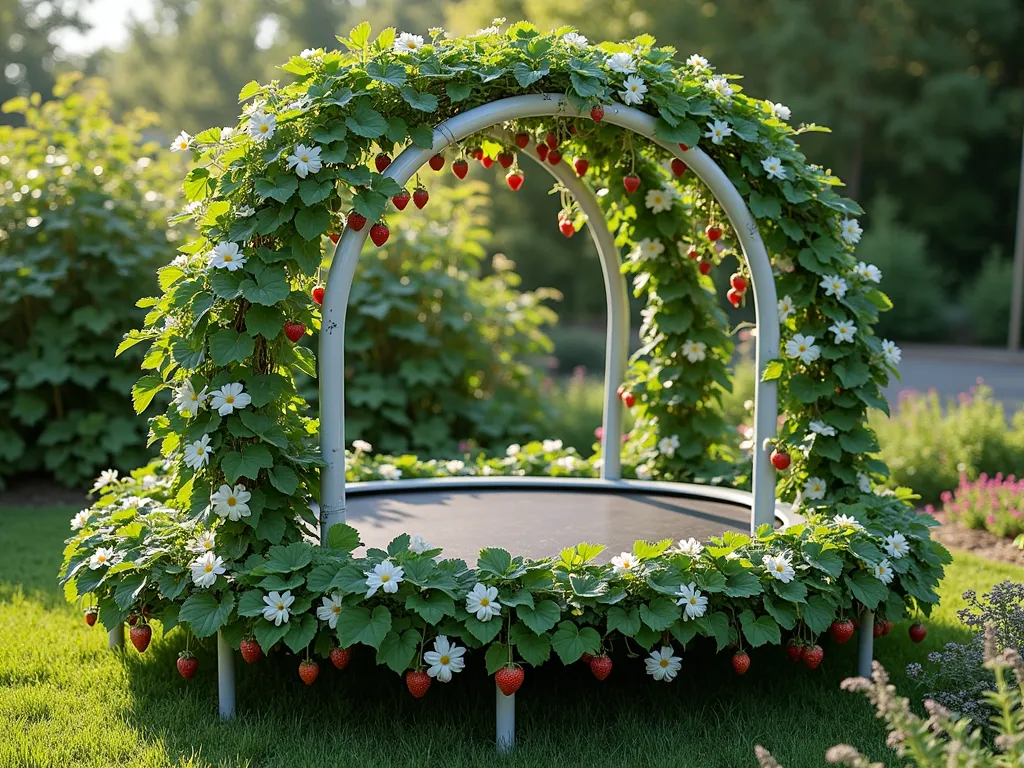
(460, 168)
(382, 161)
(420, 197)
(436, 162)
(514, 180)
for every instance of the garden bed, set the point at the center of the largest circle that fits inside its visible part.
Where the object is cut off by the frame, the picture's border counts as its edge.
(978, 542)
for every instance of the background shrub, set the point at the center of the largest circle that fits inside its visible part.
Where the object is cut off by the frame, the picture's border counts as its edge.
(994, 504)
(82, 230)
(987, 300)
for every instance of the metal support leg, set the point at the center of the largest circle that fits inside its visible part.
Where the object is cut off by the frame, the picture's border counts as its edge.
(505, 730)
(115, 638)
(225, 678)
(866, 643)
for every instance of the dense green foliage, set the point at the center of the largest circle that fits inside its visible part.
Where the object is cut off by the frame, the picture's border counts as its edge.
(241, 458)
(82, 230)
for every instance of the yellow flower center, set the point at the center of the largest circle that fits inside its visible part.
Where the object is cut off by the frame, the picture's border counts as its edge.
(280, 606)
(780, 567)
(229, 399)
(385, 578)
(208, 568)
(444, 660)
(693, 601)
(232, 501)
(802, 347)
(484, 602)
(663, 663)
(194, 397)
(101, 558)
(200, 450)
(336, 609)
(228, 257)
(304, 158)
(264, 128)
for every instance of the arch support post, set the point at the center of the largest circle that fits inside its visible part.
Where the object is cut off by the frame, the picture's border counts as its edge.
(225, 678)
(115, 638)
(866, 643)
(505, 720)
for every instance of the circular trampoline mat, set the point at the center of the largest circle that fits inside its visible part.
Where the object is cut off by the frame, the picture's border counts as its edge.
(537, 522)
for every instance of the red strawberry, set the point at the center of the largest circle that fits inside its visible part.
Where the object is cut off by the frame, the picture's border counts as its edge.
(318, 295)
(551, 140)
(340, 657)
(566, 226)
(554, 157)
(735, 297)
(505, 159)
(631, 183)
(401, 199)
(780, 460)
(379, 233)
(795, 650)
(294, 331)
(308, 671)
(133, 619)
(542, 152)
(813, 656)
(486, 161)
(140, 636)
(678, 166)
(420, 197)
(738, 281)
(586, 658)
(251, 650)
(335, 237)
(714, 233)
(683, 147)
(886, 627)
(741, 662)
(597, 114)
(436, 162)
(187, 664)
(90, 616)
(514, 180)
(477, 154)
(581, 166)
(601, 666)
(509, 678)
(629, 399)
(356, 221)
(522, 139)
(460, 168)
(418, 682)
(917, 631)
(382, 161)
(705, 267)
(693, 253)
(841, 630)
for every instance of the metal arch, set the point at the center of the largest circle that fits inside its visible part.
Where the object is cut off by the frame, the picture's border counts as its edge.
(617, 300)
(332, 336)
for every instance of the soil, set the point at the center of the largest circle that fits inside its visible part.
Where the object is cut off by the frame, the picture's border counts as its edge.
(977, 542)
(41, 492)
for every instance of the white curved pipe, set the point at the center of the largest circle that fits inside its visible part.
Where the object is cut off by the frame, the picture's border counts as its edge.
(332, 336)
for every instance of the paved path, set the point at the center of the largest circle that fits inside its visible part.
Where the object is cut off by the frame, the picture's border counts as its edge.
(952, 370)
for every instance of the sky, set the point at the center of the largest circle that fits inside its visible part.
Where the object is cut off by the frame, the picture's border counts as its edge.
(109, 19)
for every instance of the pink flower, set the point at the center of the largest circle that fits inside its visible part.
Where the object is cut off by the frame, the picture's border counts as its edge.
(929, 510)
(946, 497)
(599, 433)
(991, 519)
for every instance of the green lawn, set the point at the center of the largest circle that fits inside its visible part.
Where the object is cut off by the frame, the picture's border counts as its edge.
(66, 701)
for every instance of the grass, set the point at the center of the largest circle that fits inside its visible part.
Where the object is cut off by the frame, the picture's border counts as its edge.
(65, 701)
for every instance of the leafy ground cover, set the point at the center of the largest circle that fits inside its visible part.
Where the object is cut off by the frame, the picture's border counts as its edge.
(66, 701)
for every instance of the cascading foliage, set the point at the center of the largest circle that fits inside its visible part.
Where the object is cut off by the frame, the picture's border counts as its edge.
(213, 536)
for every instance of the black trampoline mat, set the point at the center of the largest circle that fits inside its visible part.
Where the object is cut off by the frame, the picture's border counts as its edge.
(538, 523)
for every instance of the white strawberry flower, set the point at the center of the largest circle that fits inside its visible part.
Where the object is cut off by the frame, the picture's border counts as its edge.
(454, 467)
(863, 483)
(780, 111)
(550, 446)
(892, 353)
(848, 521)
(669, 445)
(803, 347)
(625, 562)
(446, 658)
(386, 576)
(408, 43)
(188, 399)
(719, 85)
(197, 454)
(181, 142)
(312, 53)
(718, 131)
(277, 605)
(261, 125)
(634, 90)
(389, 472)
(646, 249)
(231, 503)
(304, 160)
(786, 308)
(107, 476)
(418, 545)
(697, 62)
(774, 167)
(868, 272)
(575, 40)
(694, 351)
(621, 62)
(204, 542)
(513, 450)
(362, 446)
(80, 520)
(206, 569)
(850, 231)
(643, 472)
(659, 200)
(690, 547)
(102, 557)
(694, 603)
(483, 601)
(883, 572)
(843, 331)
(780, 566)
(896, 545)
(330, 609)
(229, 398)
(227, 256)
(821, 428)
(814, 488)
(662, 665)
(834, 286)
